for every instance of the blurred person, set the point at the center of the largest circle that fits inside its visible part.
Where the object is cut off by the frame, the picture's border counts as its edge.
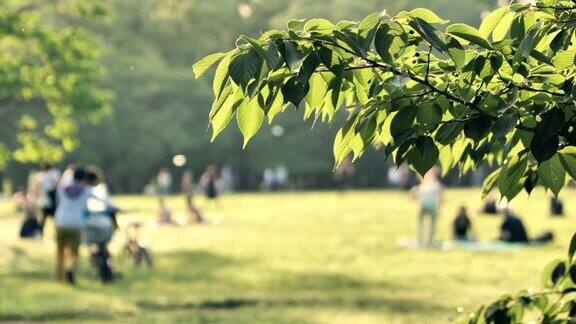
(73, 201)
(281, 176)
(267, 179)
(48, 180)
(101, 223)
(556, 207)
(394, 177)
(512, 230)
(164, 213)
(210, 182)
(227, 179)
(407, 180)
(429, 195)
(70, 218)
(193, 213)
(462, 226)
(67, 176)
(490, 205)
(25, 204)
(164, 182)
(344, 174)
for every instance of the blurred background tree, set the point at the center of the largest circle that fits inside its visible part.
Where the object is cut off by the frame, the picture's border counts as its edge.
(148, 47)
(50, 77)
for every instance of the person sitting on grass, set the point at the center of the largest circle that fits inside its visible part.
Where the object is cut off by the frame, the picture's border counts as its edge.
(490, 206)
(462, 226)
(512, 229)
(556, 207)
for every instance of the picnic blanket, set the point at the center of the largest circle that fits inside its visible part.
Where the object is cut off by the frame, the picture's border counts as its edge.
(488, 246)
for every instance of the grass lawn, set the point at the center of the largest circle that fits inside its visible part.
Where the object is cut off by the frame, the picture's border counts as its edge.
(318, 257)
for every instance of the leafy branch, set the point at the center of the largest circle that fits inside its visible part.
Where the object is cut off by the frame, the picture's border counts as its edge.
(498, 93)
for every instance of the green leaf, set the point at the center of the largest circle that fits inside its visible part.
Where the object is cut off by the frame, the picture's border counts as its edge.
(309, 65)
(477, 128)
(429, 116)
(429, 33)
(423, 155)
(572, 249)
(456, 52)
(501, 30)
(389, 40)
(294, 92)
(319, 25)
(568, 159)
(200, 67)
(277, 106)
(221, 76)
(468, 33)
(403, 120)
(552, 174)
(504, 125)
(510, 176)
(368, 27)
(490, 182)
(343, 139)
(249, 116)
(531, 181)
(427, 15)
(545, 142)
(290, 53)
(565, 59)
(223, 116)
(217, 104)
(529, 41)
(269, 54)
(489, 22)
(553, 271)
(317, 91)
(448, 132)
(245, 67)
(295, 23)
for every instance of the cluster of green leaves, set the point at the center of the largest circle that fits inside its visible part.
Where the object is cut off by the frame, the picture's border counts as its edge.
(554, 303)
(502, 94)
(49, 68)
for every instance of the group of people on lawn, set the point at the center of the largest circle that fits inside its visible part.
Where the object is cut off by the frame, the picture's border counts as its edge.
(429, 194)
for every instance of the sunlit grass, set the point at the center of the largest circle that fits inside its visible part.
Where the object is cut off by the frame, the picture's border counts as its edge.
(316, 257)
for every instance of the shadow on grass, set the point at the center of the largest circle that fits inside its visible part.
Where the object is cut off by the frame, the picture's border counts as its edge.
(397, 305)
(161, 289)
(59, 315)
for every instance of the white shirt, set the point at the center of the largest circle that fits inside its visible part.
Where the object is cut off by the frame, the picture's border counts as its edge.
(71, 211)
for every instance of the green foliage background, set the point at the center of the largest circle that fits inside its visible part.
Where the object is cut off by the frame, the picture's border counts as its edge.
(147, 49)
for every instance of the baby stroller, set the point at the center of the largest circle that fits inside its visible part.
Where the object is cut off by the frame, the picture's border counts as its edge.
(133, 248)
(98, 232)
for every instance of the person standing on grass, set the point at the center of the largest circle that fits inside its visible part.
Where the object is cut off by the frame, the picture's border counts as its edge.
(69, 218)
(194, 214)
(429, 195)
(164, 182)
(209, 181)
